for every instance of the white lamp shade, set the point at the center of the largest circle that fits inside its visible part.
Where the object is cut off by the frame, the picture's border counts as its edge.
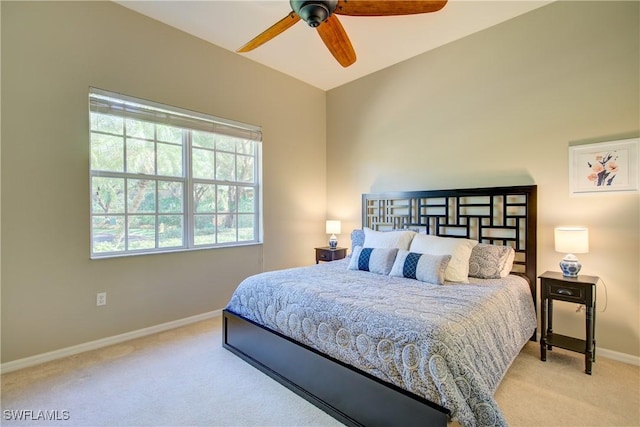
(333, 227)
(571, 240)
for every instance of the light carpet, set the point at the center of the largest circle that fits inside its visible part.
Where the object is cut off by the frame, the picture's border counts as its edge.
(184, 377)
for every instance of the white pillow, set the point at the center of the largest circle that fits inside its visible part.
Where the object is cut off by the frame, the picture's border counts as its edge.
(378, 260)
(459, 249)
(508, 265)
(422, 267)
(400, 239)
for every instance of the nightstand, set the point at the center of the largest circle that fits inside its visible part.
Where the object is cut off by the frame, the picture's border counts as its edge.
(578, 290)
(327, 254)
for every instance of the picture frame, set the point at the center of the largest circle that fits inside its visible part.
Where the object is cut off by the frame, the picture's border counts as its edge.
(604, 167)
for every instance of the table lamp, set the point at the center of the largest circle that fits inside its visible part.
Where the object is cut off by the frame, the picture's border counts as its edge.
(333, 227)
(571, 240)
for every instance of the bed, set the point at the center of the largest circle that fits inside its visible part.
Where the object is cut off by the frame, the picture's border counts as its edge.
(374, 344)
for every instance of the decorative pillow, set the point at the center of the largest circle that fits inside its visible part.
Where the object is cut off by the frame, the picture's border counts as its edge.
(491, 261)
(400, 239)
(422, 267)
(375, 260)
(357, 239)
(459, 249)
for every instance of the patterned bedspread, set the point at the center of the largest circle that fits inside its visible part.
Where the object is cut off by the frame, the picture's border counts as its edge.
(450, 344)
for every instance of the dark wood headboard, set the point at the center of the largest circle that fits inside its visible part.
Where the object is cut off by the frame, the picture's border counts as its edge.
(498, 215)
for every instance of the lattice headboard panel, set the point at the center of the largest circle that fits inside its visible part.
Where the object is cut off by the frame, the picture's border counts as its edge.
(500, 216)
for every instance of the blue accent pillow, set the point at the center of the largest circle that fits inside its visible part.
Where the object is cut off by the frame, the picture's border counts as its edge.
(364, 258)
(410, 266)
(374, 260)
(422, 267)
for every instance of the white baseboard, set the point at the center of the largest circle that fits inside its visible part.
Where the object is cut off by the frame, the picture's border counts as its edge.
(14, 365)
(620, 357)
(116, 339)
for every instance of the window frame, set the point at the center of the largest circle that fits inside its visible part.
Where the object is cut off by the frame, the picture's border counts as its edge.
(126, 107)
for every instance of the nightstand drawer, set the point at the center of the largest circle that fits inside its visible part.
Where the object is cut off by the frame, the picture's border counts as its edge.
(328, 254)
(566, 292)
(325, 256)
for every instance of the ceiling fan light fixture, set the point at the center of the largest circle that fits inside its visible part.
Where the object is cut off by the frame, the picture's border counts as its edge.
(313, 12)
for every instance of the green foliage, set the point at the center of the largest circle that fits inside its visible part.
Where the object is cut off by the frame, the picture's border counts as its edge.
(224, 209)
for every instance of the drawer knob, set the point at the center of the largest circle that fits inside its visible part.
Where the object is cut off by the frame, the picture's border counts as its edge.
(565, 292)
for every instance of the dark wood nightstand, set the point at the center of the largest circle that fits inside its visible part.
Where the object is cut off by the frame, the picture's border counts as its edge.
(579, 290)
(327, 254)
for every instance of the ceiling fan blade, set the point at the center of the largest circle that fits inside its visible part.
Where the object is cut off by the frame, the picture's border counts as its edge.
(335, 38)
(387, 7)
(277, 28)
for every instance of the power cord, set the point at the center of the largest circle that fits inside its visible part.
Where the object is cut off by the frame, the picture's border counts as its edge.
(606, 298)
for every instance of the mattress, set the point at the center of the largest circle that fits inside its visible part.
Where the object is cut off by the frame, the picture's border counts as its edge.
(451, 344)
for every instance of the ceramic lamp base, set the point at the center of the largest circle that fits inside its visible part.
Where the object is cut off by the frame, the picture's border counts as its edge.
(570, 267)
(333, 242)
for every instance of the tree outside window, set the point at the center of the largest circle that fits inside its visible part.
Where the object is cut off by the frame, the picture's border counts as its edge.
(158, 185)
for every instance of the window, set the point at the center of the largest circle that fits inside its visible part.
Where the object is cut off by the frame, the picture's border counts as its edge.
(165, 179)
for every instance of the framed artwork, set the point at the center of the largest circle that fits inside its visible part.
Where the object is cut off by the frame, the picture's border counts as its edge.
(604, 167)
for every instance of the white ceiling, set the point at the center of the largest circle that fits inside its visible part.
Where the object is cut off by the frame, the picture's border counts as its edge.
(379, 42)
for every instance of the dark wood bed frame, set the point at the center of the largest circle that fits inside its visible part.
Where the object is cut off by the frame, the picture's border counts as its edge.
(501, 215)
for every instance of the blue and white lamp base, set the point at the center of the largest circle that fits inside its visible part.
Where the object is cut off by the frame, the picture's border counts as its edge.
(570, 266)
(333, 241)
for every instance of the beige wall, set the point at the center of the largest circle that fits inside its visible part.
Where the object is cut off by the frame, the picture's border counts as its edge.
(51, 53)
(501, 107)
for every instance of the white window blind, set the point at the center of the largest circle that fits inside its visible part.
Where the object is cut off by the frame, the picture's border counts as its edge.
(110, 103)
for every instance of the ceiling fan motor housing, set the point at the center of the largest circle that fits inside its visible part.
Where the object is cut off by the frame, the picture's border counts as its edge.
(313, 12)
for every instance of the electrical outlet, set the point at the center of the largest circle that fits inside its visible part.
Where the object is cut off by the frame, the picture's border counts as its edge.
(101, 298)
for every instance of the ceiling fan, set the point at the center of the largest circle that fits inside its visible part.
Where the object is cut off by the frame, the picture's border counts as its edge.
(321, 14)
